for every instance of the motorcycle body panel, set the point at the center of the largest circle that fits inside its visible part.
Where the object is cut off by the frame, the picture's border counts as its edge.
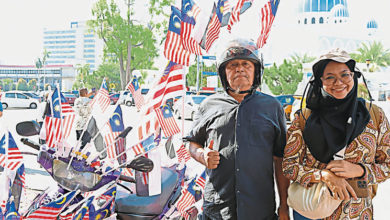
(138, 207)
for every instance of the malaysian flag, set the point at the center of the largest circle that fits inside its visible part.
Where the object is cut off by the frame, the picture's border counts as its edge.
(53, 209)
(59, 119)
(101, 98)
(11, 212)
(174, 49)
(241, 7)
(227, 10)
(145, 146)
(267, 17)
(187, 199)
(201, 180)
(14, 158)
(170, 85)
(167, 121)
(214, 26)
(83, 212)
(113, 129)
(3, 151)
(135, 90)
(189, 14)
(183, 155)
(105, 211)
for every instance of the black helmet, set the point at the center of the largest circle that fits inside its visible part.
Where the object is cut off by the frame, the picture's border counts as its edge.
(244, 50)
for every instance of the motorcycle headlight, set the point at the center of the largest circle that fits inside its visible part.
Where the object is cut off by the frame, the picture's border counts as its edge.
(72, 179)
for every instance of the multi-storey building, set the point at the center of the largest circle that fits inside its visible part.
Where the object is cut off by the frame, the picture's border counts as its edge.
(76, 45)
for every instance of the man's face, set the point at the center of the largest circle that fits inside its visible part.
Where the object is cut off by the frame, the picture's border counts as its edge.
(240, 74)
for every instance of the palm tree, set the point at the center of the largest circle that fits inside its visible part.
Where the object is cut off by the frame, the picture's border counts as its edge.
(83, 71)
(375, 52)
(46, 55)
(38, 65)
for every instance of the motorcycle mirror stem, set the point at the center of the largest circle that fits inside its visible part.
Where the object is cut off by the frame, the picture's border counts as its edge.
(30, 143)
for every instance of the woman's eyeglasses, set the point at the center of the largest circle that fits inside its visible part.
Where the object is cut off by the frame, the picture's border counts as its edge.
(330, 80)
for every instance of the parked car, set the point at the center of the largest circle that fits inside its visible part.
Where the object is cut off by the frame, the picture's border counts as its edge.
(191, 105)
(18, 99)
(114, 98)
(70, 98)
(129, 100)
(34, 96)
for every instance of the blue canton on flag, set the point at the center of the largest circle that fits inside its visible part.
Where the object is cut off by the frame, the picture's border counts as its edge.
(274, 6)
(116, 120)
(148, 143)
(167, 121)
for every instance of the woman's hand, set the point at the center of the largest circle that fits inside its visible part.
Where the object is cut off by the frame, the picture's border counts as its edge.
(338, 186)
(345, 169)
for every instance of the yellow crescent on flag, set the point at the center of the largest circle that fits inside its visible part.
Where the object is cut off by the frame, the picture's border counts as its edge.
(62, 202)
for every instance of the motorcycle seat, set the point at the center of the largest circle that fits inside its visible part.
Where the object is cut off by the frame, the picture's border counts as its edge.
(147, 205)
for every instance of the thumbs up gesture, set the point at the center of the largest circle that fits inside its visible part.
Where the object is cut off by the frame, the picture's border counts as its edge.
(211, 157)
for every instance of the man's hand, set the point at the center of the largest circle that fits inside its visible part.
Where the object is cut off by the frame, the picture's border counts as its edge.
(206, 156)
(211, 157)
(338, 186)
(345, 169)
(283, 213)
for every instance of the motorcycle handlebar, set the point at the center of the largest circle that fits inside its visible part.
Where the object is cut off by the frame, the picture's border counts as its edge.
(127, 178)
(30, 143)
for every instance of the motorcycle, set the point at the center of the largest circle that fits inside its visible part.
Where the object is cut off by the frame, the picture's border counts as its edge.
(80, 175)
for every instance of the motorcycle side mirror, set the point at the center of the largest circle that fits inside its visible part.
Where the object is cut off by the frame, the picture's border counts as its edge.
(28, 128)
(142, 164)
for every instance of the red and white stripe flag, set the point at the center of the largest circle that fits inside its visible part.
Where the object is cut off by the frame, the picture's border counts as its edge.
(59, 119)
(235, 15)
(135, 90)
(267, 17)
(14, 157)
(173, 48)
(182, 154)
(167, 121)
(170, 85)
(102, 99)
(190, 12)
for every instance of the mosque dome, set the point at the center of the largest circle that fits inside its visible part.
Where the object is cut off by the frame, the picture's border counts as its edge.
(339, 11)
(372, 24)
(320, 5)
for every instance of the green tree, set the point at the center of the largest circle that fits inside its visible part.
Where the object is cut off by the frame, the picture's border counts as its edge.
(305, 58)
(283, 79)
(110, 71)
(8, 84)
(22, 85)
(83, 72)
(127, 43)
(375, 52)
(32, 84)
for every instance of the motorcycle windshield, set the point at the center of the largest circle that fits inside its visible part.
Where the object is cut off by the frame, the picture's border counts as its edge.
(72, 179)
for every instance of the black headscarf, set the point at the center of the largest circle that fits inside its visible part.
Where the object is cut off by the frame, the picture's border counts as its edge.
(333, 123)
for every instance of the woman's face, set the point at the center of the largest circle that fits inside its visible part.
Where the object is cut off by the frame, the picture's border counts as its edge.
(337, 79)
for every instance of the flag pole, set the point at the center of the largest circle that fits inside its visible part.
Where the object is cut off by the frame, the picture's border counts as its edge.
(183, 103)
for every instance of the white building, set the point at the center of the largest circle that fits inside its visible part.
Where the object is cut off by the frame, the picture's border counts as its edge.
(74, 45)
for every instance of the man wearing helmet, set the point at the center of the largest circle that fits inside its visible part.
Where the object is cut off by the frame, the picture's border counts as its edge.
(239, 136)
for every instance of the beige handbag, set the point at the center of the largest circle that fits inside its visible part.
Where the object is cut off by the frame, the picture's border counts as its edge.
(314, 202)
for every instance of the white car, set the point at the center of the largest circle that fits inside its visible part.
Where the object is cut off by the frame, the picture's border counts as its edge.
(18, 99)
(191, 105)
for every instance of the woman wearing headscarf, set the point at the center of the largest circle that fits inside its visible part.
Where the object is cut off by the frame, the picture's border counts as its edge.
(339, 125)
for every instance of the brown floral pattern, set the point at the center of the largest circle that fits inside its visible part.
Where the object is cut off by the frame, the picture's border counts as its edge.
(371, 148)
